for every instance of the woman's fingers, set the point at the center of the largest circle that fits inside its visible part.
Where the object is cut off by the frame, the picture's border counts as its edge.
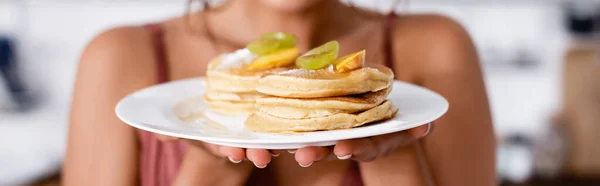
(234, 154)
(368, 149)
(212, 148)
(276, 153)
(361, 149)
(421, 131)
(385, 144)
(308, 155)
(260, 157)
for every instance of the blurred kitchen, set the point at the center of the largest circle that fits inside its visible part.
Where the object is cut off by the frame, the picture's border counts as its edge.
(540, 60)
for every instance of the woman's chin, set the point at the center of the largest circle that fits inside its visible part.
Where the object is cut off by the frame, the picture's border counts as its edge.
(290, 5)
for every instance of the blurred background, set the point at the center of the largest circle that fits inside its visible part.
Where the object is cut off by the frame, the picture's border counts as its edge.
(539, 57)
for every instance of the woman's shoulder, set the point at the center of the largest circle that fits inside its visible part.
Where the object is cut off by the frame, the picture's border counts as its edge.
(436, 42)
(420, 21)
(119, 43)
(431, 31)
(120, 50)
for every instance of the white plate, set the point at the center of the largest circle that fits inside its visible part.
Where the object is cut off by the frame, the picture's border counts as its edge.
(159, 109)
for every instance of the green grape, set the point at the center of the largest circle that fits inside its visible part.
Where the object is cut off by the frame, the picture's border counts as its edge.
(287, 40)
(319, 57)
(263, 46)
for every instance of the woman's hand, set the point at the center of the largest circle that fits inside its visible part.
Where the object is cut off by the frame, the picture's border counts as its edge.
(220, 165)
(362, 149)
(259, 157)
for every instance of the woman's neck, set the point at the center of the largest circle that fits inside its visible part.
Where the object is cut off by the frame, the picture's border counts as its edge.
(241, 21)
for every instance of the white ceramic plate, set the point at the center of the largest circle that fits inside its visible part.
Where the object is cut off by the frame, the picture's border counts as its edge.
(169, 109)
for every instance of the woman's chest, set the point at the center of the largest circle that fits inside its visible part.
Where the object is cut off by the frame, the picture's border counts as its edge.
(189, 57)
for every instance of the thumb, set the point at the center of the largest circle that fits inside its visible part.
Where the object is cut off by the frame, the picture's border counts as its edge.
(421, 131)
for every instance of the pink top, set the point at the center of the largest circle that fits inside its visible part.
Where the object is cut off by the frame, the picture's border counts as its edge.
(159, 161)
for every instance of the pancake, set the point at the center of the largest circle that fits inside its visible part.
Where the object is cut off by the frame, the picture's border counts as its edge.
(231, 75)
(302, 83)
(230, 107)
(231, 96)
(230, 86)
(298, 108)
(264, 122)
(349, 102)
(300, 113)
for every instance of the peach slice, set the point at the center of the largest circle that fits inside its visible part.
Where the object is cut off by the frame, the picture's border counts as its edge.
(350, 62)
(280, 58)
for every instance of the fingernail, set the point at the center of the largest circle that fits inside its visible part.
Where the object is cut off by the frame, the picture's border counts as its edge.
(292, 151)
(275, 154)
(345, 157)
(429, 126)
(306, 165)
(260, 167)
(232, 160)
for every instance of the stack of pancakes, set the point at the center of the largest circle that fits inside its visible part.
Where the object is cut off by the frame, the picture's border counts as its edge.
(310, 100)
(230, 87)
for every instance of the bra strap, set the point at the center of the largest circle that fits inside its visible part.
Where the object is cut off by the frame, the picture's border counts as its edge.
(388, 31)
(162, 69)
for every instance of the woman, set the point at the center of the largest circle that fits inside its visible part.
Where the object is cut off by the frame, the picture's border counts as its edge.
(428, 50)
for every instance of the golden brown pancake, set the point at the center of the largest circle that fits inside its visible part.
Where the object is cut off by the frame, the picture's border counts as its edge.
(231, 96)
(234, 77)
(230, 87)
(300, 113)
(302, 83)
(348, 102)
(230, 107)
(298, 108)
(264, 122)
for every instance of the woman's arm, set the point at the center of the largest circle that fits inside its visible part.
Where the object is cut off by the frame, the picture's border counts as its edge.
(460, 150)
(101, 149)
